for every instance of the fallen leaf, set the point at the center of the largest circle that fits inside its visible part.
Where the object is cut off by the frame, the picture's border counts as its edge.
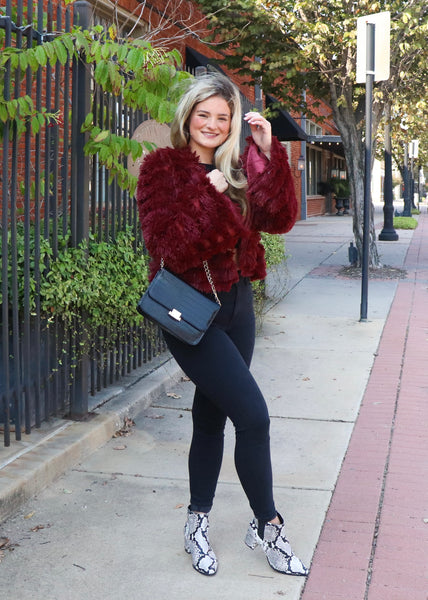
(185, 378)
(126, 429)
(306, 378)
(31, 514)
(172, 395)
(179, 506)
(122, 447)
(37, 528)
(5, 545)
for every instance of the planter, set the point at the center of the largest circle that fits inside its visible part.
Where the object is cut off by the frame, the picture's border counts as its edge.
(342, 205)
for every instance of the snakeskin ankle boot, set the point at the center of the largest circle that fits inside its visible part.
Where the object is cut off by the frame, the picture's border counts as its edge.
(277, 548)
(196, 543)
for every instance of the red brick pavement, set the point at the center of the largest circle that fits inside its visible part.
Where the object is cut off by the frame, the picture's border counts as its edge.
(374, 543)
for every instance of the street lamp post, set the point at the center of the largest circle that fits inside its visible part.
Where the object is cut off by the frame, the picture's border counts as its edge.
(388, 232)
(413, 153)
(407, 209)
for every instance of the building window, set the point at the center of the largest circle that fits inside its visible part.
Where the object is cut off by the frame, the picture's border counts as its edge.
(313, 160)
(313, 129)
(314, 170)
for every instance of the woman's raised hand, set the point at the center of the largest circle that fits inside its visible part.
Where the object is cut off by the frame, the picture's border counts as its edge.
(260, 130)
(218, 180)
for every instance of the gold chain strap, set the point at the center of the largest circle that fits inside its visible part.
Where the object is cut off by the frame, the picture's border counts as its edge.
(209, 277)
(210, 281)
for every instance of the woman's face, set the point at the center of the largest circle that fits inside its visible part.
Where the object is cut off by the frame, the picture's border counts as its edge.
(209, 126)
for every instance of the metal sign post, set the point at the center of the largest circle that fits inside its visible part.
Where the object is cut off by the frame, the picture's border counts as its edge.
(370, 73)
(372, 65)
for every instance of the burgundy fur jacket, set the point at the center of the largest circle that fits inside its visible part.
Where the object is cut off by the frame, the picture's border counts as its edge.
(185, 220)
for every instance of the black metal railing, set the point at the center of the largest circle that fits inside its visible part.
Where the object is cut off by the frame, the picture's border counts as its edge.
(50, 188)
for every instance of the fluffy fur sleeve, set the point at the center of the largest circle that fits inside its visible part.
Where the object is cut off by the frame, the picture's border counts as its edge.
(184, 219)
(271, 194)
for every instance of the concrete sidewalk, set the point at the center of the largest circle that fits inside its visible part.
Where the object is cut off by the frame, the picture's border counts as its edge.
(111, 526)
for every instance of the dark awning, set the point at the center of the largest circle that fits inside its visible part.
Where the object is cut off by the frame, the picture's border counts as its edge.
(196, 59)
(333, 143)
(284, 126)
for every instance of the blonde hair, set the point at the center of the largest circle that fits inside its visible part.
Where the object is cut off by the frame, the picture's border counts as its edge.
(226, 156)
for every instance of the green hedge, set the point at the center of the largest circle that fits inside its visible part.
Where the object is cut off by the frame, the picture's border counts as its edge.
(405, 223)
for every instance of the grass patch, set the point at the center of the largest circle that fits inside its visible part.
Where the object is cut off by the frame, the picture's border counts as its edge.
(405, 223)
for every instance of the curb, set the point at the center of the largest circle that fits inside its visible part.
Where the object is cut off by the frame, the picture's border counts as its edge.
(66, 443)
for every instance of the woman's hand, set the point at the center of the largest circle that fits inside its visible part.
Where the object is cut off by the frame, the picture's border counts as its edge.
(260, 130)
(218, 180)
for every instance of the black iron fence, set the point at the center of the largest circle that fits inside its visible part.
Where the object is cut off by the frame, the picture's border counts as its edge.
(50, 191)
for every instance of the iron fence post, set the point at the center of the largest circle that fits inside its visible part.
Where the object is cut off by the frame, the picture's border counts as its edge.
(5, 304)
(81, 103)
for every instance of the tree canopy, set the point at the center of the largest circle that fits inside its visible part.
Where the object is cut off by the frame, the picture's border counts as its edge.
(310, 45)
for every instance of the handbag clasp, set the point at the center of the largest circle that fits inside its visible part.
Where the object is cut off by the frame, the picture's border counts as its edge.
(175, 314)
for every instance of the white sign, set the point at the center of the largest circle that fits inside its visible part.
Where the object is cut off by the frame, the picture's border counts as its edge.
(414, 149)
(382, 22)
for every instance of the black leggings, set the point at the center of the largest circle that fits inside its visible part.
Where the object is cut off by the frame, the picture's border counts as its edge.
(219, 368)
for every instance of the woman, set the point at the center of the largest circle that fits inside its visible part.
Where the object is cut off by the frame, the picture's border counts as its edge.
(199, 201)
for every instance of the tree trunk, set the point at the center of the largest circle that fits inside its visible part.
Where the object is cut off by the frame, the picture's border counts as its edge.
(354, 154)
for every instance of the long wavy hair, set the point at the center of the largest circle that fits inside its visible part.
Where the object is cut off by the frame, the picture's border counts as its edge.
(226, 156)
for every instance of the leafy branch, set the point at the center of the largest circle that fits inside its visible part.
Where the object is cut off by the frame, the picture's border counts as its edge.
(148, 78)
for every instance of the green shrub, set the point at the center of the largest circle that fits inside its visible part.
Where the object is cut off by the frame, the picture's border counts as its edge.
(96, 284)
(44, 252)
(405, 223)
(275, 255)
(340, 187)
(101, 280)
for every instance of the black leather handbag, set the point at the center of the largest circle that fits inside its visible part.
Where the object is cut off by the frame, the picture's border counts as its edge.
(177, 307)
